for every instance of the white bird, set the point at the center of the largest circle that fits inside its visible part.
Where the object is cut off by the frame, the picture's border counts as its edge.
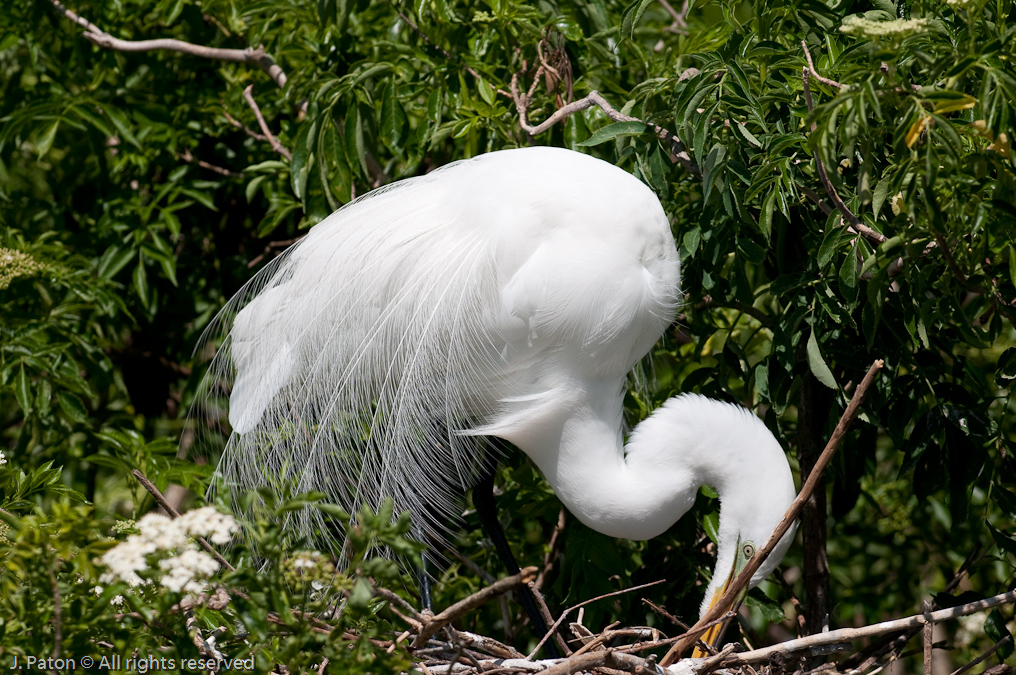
(507, 295)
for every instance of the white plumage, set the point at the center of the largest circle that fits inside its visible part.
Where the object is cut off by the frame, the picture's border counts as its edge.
(505, 295)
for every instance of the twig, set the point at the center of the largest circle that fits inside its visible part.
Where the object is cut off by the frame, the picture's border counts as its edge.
(929, 629)
(473, 601)
(415, 619)
(548, 560)
(541, 604)
(742, 580)
(680, 23)
(278, 147)
(853, 222)
(814, 73)
(271, 246)
(991, 650)
(849, 634)
(553, 629)
(250, 56)
(444, 52)
(236, 123)
(522, 102)
(154, 491)
(191, 159)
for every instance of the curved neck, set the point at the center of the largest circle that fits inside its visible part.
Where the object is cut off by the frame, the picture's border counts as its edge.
(638, 490)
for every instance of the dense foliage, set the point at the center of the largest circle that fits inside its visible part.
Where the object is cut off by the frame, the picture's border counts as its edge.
(138, 193)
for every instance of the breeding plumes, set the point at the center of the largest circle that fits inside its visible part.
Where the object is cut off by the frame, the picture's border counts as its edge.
(508, 295)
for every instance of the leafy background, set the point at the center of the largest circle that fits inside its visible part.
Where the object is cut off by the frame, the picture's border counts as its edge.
(117, 248)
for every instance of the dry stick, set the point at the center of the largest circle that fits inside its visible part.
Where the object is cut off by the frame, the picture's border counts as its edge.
(680, 18)
(994, 648)
(191, 159)
(853, 222)
(250, 56)
(929, 629)
(473, 601)
(814, 73)
(541, 604)
(154, 491)
(565, 613)
(742, 580)
(850, 634)
(278, 147)
(236, 123)
(592, 98)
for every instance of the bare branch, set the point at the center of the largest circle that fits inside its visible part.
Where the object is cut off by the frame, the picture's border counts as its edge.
(473, 601)
(853, 223)
(250, 56)
(565, 613)
(191, 159)
(849, 634)
(278, 147)
(814, 73)
(742, 580)
(929, 629)
(236, 123)
(991, 650)
(593, 98)
(680, 23)
(173, 513)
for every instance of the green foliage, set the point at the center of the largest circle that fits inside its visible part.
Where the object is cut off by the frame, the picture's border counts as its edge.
(117, 247)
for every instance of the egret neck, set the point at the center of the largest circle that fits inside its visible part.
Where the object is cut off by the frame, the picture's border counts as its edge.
(639, 489)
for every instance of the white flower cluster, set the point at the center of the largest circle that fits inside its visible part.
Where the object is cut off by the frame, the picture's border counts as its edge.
(3, 459)
(897, 28)
(159, 533)
(959, 4)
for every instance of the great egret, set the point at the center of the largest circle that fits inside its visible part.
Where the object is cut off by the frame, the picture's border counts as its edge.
(508, 295)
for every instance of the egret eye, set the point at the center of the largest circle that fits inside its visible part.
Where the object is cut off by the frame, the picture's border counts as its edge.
(748, 550)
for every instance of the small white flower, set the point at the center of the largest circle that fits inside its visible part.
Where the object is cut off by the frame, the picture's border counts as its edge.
(117, 600)
(3, 459)
(182, 570)
(896, 28)
(97, 590)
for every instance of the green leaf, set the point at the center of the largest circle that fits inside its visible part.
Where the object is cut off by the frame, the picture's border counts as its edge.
(632, 15)
(1006, 500)
(22, 391)
(45, 141)
(1006, 543)
(120, 122)
(141, 281)
(818, 365)
(73, 407)
(995, 629)
(253, 186)
(1005, 369)
(751, 251)
(393, 119)
(615, 130)
(765, 220)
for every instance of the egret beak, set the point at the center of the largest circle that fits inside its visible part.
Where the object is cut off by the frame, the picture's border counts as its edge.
(714, 634)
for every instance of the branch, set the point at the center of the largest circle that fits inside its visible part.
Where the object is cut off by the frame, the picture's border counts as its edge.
(473, 601)
(680, 23)
(743, 579)
(853, 222)
(522, 102)
(173, 513)
(191, 159)
(236, 123)
(565, 613)
(250, 56)
(278, 147)
(849, 634)
(991, 650)
(814, 73)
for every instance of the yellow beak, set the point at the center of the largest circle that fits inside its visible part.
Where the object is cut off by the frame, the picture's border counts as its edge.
(714, 634)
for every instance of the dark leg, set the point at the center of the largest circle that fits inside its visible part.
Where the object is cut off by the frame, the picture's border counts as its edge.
(483, 500)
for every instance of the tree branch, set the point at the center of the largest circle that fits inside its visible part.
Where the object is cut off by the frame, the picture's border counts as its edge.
(593, 98)
(742, 580)
(278, 147)
(453, 612)
(852, 221)
(849, 634)
(250, 56)
(173, 513)
(814, 73)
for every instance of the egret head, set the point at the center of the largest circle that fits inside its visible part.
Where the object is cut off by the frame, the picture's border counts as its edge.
(747, 521)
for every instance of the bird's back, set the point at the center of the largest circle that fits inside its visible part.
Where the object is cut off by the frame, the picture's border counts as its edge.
(456, 301)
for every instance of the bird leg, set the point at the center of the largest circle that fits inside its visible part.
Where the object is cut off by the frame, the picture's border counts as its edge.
(425, 598)
(483, 500)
